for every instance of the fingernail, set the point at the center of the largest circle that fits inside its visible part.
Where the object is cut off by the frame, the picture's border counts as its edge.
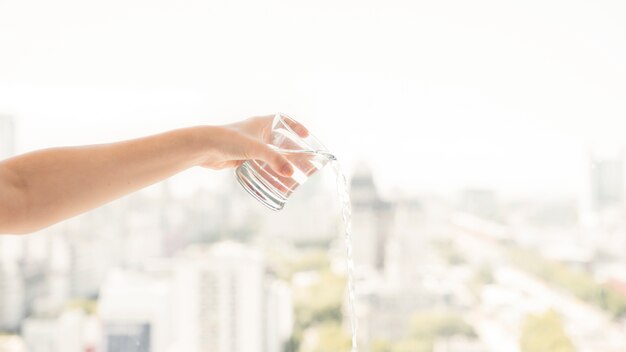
(287, 170)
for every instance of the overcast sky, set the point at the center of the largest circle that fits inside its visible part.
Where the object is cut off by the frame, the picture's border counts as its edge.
(435, 95)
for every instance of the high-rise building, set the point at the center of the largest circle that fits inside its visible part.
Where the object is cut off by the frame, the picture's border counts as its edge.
(607, 183)
(385, 311)
(220, 299)
(208, 298)
(225, 302)
(480, 202)
(603, 187)
(279, 317)
(371, 220)
(136, 312)
(70, 331)
(601, 203)
(12, 305)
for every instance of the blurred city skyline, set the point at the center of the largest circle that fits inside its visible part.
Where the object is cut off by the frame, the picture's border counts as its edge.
(483, 141)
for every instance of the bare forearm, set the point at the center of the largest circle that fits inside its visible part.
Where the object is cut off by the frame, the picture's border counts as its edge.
(44, 187)
(58, 183)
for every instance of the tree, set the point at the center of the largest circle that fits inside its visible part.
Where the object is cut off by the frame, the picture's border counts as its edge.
(431, 324)
(332, 338)
(544, 333)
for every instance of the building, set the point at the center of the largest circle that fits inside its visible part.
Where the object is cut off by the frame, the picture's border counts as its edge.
(136, 311)
(11, 279)
(602, 206)
(71, 331)
(12, 302)
(603, 185)
(208, 298)
(607, 183)
(481, 203)
(225, 301)
(371, 220)
(384, 311)
(278, 315)
(219, 298)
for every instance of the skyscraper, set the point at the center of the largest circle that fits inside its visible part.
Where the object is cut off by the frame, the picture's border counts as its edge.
(225, 302)
(208, 298)
(136, 312)
(12, 303)
(11, 296)
(68, 332)
(601, 202)
(607, 183)
(278, 314)
(371, 219)
(602, 196)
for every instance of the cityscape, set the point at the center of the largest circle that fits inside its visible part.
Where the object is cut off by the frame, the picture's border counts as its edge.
(471, 272)
(483, 144)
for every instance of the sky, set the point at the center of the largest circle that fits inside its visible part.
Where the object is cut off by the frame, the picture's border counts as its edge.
(434, 95)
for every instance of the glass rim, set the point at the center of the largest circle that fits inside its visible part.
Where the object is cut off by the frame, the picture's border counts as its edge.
(311, 137)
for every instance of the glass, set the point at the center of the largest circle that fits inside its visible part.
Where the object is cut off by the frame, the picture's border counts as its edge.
(306, 155)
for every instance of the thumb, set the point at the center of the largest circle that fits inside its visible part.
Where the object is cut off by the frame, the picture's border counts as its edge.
(278, 163)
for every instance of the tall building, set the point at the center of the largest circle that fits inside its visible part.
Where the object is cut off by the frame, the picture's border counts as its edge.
(136, 312)
(208, 298)
(607, 183)
(12, 303)
(371, 220)
(71, 331)
(279, 316)
(10, 248)
(225, 302)
(480, 202)
(603, 187)
(220, 299)
(602, 207)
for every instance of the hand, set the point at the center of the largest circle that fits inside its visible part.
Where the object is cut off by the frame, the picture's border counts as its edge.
(235, 143)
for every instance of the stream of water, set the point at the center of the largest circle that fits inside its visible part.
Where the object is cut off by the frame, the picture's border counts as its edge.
(346, 214)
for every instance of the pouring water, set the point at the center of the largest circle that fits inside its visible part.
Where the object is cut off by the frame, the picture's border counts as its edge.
(346, 215)
(307, 155)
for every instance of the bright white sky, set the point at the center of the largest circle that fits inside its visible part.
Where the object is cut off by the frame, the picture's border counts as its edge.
(435, 95)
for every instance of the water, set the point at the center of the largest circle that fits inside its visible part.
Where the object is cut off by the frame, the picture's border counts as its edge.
(346, 214)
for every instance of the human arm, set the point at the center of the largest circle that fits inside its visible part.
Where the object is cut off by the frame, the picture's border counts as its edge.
(41, 188)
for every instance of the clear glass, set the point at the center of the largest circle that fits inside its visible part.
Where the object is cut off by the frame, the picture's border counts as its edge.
(306, 155)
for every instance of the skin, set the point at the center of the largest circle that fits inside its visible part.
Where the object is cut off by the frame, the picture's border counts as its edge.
(41, 188)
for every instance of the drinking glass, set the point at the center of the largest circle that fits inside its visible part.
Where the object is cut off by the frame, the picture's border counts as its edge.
(305, 154)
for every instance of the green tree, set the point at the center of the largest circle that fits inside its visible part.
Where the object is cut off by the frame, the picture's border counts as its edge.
(382, 346)
(332, 338)
(321, 302)
(544, 333)
(579, 283)
(410, 345)
(484, 276)
(431, 324)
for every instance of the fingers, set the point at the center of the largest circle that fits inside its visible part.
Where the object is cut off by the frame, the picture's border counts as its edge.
(276, 161)
(296, 126)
